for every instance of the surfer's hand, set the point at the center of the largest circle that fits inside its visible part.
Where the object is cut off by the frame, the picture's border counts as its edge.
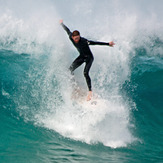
(61, 21)
(111, 43)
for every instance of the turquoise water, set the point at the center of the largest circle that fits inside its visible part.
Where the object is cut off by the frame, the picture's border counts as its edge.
(39, 121)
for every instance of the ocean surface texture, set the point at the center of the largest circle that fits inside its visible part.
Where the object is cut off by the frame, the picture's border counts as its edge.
(40, 122)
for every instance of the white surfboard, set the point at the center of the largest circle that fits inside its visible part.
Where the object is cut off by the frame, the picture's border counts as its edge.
(79, 97)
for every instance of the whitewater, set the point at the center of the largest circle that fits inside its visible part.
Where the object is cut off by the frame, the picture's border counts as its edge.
(39, 120)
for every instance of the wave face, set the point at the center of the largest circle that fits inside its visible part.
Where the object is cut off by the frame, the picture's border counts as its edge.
(35, 87)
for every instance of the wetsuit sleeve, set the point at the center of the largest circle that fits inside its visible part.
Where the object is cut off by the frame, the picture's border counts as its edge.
(97, 43)
(66, 29)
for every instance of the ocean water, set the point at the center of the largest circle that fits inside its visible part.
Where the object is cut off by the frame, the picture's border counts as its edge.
(39, 122)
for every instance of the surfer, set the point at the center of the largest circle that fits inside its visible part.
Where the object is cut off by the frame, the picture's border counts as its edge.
(86, 55)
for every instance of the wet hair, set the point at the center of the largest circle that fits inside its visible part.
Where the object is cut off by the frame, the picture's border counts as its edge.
(75, 33)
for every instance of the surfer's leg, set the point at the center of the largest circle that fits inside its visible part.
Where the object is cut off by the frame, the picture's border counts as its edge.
(87, 77)
(77, 62)
(86, 73)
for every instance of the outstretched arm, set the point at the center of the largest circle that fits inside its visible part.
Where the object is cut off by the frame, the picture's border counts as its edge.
(65, 28)
(101, 43)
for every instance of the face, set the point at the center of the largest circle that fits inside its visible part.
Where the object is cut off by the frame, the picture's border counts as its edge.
(76, 38)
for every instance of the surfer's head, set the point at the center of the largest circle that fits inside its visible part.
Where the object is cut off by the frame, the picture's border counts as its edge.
(76, 36)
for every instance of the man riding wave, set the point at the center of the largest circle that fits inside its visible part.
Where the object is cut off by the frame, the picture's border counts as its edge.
(85, 54)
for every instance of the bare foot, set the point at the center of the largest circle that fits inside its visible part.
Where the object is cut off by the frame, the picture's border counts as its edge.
(89, 96)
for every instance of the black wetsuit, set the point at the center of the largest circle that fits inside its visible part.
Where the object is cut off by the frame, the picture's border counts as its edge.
(85, 55)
